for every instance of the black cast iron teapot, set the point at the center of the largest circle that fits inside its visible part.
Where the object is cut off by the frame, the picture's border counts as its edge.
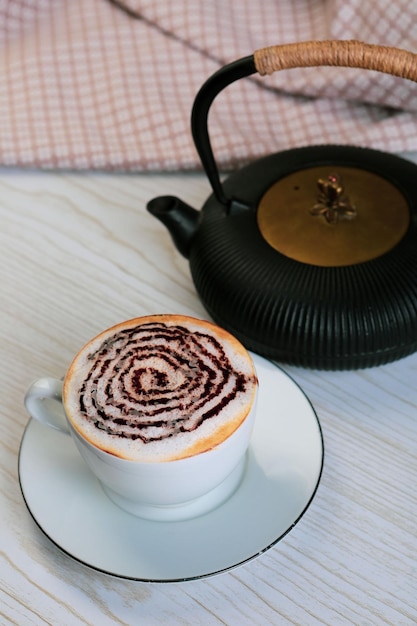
(308, 256)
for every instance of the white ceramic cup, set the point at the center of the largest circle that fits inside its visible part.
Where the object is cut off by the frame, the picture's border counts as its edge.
(166, 490)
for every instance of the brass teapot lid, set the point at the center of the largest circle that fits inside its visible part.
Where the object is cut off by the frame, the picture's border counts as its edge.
(333, 217)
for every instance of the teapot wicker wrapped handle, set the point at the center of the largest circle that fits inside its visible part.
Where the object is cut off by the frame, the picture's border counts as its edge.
(355, 54)
(337, 53)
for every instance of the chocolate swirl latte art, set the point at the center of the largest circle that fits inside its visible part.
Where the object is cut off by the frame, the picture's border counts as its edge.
(160, 388)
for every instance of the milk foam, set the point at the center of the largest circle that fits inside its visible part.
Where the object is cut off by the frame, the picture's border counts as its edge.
(160, 388)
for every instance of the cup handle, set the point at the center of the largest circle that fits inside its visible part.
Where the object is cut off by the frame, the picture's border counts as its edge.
(43, 401)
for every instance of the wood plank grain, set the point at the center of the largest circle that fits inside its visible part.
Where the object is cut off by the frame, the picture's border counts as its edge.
(79, 252)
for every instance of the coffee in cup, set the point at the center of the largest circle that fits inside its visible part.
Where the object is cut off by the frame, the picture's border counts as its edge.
(159, 388)
(161, 408)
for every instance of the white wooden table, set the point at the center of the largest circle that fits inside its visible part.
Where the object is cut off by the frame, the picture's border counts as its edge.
(79, 252)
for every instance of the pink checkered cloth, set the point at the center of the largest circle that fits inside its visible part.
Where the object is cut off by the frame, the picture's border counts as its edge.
(109, 84)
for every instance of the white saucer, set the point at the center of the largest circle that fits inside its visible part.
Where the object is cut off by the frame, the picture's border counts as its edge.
(283, 471)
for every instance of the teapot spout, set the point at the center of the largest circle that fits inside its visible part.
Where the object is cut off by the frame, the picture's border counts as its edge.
(180, 219)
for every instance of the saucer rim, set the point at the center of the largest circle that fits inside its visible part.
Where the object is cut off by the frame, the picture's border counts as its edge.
(204, 575)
